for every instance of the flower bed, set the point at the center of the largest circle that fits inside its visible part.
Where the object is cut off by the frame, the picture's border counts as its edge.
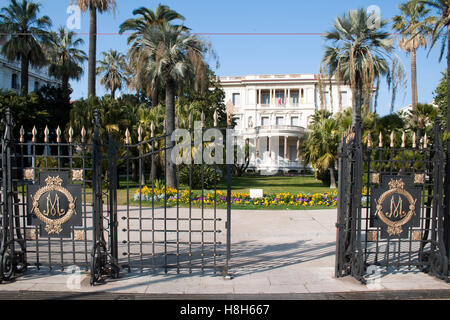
(238, 199)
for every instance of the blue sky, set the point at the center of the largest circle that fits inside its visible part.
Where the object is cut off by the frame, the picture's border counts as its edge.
(256, 54)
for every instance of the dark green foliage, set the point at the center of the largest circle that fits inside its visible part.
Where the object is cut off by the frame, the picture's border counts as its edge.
(27, 111)
(440, 98)
(209, 176)
(208, 101)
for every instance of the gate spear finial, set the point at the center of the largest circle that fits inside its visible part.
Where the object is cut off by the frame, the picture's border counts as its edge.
(152, 129)
(58, 135)
(34, 132)
(380, 144)
(70, 134)
(22, 134)
(216, 118)
(46, 132)
(83, 134)
(127, 137)
(140, 131)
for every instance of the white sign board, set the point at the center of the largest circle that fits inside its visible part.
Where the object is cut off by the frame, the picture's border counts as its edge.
(256, 193)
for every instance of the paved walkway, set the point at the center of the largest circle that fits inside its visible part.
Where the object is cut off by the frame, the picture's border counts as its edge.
(273, 252)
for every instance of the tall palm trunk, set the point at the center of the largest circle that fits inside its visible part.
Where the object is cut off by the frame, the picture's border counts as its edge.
(24, 66)
(414, 88)
(92, 50)
(65, 85)
(357, 98)
(170, 126)
(414, 79)
(332, 176)
(154, 97)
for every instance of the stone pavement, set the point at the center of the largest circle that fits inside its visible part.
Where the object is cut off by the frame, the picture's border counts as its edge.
(273, 252)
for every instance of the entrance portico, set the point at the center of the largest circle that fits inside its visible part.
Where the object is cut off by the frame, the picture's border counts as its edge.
(275, 148)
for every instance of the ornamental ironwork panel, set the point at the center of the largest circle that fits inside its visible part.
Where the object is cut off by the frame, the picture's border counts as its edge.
(54, 205)
(395, 206)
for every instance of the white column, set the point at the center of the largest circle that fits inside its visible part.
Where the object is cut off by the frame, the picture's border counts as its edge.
(285, 147)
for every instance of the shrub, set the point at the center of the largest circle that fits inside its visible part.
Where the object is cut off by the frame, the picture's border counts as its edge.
(209, 174)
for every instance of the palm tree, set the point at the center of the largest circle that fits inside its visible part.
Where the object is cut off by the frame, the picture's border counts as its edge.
(320, 147)
(166, 54)
(358, 56)
(113, 67)
(27, 30)
(65, 57)
(147, 117)
(441, 29)
(414, 27)
(421, 119)
(93, 6)
(148, 18)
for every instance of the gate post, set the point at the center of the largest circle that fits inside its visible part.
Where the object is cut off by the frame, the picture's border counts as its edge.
(7, 244)
(99, 253)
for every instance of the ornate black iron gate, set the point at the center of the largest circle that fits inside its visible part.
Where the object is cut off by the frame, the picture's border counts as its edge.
(391, 205)
(74, 203)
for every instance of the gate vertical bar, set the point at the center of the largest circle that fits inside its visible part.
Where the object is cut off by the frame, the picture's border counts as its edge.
(230, 151)
(446, 210)
(340, 215)
(112, 210)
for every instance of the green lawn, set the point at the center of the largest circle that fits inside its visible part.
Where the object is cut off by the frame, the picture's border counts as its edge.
(269, 184)
(276, 184)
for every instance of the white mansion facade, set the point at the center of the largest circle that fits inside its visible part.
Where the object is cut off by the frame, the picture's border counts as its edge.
(272, 112)
(10, 75)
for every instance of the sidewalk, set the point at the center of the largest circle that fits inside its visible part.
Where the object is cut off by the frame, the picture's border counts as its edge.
(273, 252)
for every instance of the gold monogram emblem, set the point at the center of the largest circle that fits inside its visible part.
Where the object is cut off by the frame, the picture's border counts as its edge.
(53, 215)
(399, 212)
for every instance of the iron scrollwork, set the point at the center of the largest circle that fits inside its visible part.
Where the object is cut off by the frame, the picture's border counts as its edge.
(55, 204)
(391, 209)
